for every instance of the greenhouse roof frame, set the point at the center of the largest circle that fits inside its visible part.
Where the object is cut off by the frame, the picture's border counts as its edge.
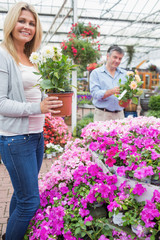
(123, 22)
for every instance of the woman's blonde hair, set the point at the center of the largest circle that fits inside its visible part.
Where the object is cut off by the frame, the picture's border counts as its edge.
(9, 24)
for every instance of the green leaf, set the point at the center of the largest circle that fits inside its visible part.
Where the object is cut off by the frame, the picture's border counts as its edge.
(56, 75)
(135, 100)
(77, 231)
(88, 224)
(83, 234)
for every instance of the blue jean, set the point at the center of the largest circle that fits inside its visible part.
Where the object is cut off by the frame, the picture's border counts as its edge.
(22, 156)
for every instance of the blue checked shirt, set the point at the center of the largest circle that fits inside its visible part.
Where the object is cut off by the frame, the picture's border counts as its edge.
(100, 81)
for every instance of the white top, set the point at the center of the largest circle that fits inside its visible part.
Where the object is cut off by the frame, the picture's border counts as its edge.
(32, 94)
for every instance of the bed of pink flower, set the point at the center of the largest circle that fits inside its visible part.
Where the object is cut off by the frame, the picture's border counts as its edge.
(136, 150)
(74, 184)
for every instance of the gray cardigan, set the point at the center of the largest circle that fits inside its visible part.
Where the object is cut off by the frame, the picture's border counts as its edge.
(14, 110)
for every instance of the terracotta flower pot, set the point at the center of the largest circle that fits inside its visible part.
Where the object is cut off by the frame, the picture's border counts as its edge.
(66, 108)
(124, 104)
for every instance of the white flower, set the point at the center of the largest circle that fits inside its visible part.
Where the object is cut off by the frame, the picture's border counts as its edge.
(130, 73)
(47, 52)
(34, 58)
(49, 145)
(137, 77)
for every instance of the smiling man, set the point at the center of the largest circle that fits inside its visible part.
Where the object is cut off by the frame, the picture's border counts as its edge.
(104, 84)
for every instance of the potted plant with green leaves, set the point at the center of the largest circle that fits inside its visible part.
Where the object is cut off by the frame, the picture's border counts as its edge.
(129, 89)
(125, 208)
(54, 70)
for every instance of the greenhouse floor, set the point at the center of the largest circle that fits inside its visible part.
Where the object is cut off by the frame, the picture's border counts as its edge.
(6, 192)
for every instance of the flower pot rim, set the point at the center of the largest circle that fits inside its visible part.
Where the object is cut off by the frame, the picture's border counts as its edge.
(60, 92)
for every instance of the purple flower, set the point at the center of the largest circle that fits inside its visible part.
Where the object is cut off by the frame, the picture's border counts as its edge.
(102, 237)
(94, 146)
(121, 171)
(112, 151)
(68, 236)
(139, 189)
(155, 155)
(88, 219)
(156, 196)
(83, 212)
(123, 155)
(64, 190)
(148, 214)
(113, 205)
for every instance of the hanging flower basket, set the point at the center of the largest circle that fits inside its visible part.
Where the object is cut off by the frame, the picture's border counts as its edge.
(89, 30)
(82, 51)
(81, 46)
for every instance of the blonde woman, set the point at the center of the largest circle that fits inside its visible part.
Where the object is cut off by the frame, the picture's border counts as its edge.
(22, 109)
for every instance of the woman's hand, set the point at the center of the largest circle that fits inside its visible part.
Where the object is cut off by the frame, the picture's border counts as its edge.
(49, 104)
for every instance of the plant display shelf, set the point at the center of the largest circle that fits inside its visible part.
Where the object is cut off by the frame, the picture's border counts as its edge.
(121, 228)
(84, 109)
(145, 196)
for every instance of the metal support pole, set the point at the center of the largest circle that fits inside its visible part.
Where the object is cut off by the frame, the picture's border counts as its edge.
(74, 76)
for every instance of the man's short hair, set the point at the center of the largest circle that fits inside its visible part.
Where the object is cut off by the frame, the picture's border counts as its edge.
(115, 48)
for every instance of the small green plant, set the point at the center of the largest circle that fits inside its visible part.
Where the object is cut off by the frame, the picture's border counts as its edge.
(154, 106)
(153, 113)
(154, 103)
(81, 124)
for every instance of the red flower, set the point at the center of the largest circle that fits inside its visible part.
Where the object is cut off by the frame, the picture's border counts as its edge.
(92, 66)
(110, 161)
(74, 50)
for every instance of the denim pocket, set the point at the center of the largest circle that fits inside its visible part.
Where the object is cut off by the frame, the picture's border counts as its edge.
(18, 140)
(18, 144)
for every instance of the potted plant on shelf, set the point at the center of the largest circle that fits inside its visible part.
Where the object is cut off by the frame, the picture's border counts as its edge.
(129, 89)
(125, 209)
(54, 70)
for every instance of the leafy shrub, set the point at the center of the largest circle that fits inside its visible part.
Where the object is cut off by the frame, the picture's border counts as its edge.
(81, 124)
(153, 113)
(154, 103)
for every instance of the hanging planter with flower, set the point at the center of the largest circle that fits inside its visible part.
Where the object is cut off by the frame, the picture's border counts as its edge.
(81, 29)
(81, 47)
